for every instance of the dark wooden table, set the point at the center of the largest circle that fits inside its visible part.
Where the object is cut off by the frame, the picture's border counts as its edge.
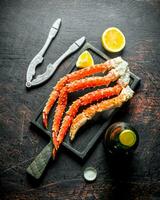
(24, 27)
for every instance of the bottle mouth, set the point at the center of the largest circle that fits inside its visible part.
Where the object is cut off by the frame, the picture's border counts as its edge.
(127, 138)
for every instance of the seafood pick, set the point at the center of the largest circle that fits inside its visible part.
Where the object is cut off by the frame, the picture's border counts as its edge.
(115, 70)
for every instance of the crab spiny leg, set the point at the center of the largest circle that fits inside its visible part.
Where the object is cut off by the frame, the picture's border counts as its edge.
(62, 102)
(53, 97)
(112, 76)
(90, 112)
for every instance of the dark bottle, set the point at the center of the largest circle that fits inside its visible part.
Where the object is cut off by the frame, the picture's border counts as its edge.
(121, 139)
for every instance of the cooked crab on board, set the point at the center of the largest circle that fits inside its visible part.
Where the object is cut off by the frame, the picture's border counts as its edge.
(111, 96)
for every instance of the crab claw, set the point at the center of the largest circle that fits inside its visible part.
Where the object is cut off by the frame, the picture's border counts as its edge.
(55, 142)
(54, 153)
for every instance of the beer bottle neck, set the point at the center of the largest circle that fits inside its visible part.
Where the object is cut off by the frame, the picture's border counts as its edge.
(127, 138)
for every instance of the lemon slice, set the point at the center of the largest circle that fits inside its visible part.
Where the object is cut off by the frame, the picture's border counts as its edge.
(85, 60)
(127, 138)
(113, 39)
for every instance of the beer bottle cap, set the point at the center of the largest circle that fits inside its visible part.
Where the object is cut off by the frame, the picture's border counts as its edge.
(127, 137)
(90, 173)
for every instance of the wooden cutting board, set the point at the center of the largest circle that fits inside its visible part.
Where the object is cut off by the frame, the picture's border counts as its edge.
(88, 135)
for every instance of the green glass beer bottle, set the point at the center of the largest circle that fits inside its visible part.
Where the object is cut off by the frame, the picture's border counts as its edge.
(121, 139)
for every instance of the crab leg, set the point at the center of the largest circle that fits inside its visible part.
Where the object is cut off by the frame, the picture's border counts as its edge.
(76, 76)
(112, 76)
(61, 106)
(90, 112)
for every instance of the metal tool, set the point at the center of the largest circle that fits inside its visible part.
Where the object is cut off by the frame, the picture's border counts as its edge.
(39, 57)
(51, 68)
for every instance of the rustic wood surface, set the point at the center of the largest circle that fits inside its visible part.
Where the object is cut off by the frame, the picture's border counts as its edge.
(24, 26)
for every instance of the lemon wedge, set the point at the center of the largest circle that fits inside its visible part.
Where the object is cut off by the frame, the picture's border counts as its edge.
(84, 60)
(113, 40)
